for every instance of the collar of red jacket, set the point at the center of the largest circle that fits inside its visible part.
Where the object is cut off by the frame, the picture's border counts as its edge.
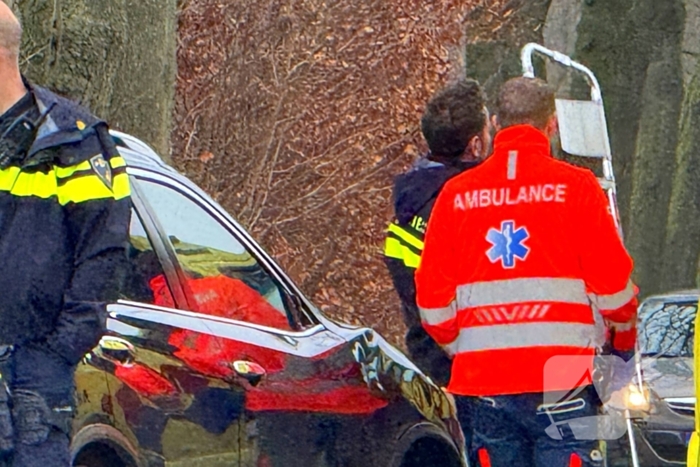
(521, 137)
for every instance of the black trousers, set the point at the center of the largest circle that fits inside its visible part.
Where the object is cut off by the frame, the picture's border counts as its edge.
(514, 432)
(41, 386)
(428, 355)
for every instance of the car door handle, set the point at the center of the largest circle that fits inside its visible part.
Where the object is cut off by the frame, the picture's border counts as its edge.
(117, 350)
(250, 371)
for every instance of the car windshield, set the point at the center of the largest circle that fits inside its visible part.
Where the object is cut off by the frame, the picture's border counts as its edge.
(666, 327)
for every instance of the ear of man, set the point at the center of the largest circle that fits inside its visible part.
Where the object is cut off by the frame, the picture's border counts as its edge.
(552, 127)
(476, 147)
(495, 122)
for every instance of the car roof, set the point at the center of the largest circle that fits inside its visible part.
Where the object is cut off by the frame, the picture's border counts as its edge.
(676, 295)
(136, 153)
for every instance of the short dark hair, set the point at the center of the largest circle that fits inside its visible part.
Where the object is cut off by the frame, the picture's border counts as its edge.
(453, 116)
(525, 101)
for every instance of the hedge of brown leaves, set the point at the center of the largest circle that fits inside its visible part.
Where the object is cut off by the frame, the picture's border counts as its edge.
(296, 114)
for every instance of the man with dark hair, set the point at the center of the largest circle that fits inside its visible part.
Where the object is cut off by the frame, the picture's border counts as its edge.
(456, 127)
(64, 229)
(522, 268)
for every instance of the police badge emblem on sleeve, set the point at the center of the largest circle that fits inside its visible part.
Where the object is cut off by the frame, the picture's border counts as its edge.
(102, 169)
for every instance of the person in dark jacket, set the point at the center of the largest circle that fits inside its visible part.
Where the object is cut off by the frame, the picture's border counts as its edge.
(64, 222)
(457, 129)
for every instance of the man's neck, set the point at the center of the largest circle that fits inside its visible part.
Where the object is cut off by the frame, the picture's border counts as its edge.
(12, 89)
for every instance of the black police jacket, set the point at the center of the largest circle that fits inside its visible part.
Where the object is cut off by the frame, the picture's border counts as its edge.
(64, 223)
(414, 195)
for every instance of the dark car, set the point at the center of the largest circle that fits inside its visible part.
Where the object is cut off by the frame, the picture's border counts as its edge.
(213, 357)
(666, 337)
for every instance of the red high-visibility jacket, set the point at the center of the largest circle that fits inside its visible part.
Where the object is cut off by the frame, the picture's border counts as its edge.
(522, 263)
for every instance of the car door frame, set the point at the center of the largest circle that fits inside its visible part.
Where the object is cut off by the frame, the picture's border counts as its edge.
(308, 342)
(297, 306)
(334, 333)
(160, 248)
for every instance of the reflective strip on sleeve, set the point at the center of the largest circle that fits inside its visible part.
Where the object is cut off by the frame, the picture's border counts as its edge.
(614, 301)
(395, 249)
(80, 183)
(623, 327)
(70, 184)
(406, 236)
(91, 187)
(392, 248)
(65, 172)
(120, 186)
(534, 289)
(509, 336)
(437, 316)
(451, 348)
(85, 188)
(117, 162)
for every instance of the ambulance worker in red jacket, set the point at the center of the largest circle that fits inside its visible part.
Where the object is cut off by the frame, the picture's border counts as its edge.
(523, 265)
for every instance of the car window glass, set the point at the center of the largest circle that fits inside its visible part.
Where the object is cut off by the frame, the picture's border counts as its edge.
(145, 275)
(667, 328)
(222, 277)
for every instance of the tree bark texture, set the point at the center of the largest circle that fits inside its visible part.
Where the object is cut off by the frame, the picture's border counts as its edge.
(117, 57)
(644, 54)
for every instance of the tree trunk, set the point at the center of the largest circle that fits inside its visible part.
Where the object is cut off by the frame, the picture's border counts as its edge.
(495, 37)
(644, 54)
(635, 49)
(117, 57)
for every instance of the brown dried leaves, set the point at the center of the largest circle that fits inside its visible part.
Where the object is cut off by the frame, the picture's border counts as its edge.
(298, 114)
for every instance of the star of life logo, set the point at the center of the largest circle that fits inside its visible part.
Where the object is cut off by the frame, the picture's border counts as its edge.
(507, 244)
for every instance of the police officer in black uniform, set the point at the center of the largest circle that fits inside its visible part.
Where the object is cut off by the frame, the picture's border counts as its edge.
(64, 220)
(456, 127)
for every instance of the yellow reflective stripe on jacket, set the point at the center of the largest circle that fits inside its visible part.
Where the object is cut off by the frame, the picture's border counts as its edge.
(406, 236)
(120, 186)
(8, 178)
(80, 188)
(38, 184)
(117, 162)
(89, 186)
(65, 172)
(394, 249)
